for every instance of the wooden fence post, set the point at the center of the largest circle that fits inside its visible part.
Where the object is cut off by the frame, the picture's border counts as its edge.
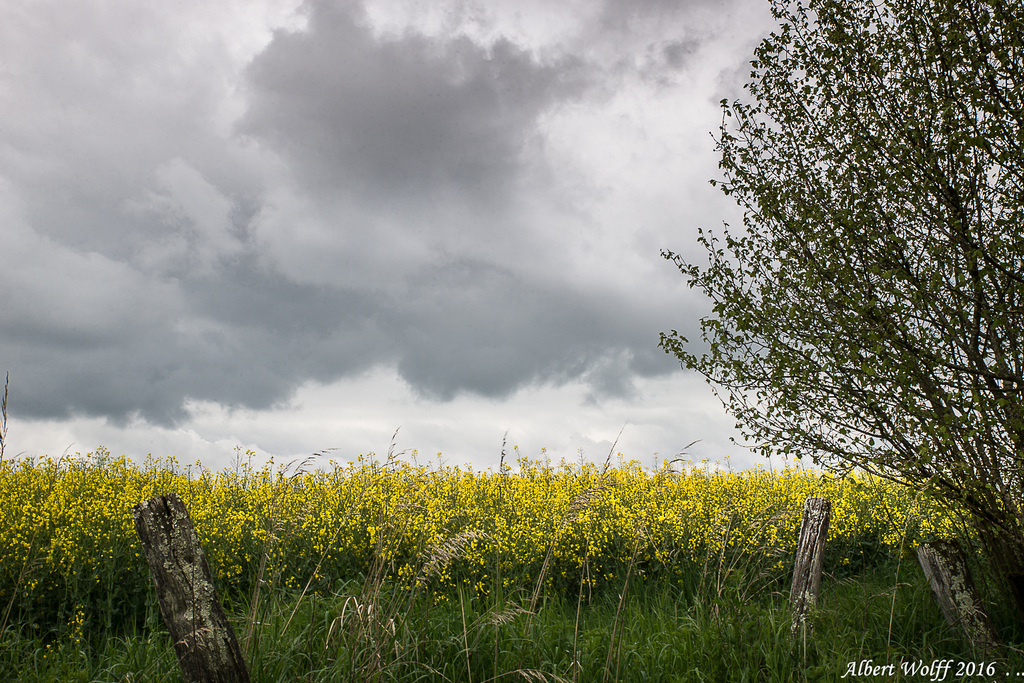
(203, 640)
(810, 553)
(944, 564)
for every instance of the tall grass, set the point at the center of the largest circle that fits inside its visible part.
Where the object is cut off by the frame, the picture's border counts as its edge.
(664, 637)
(384, 571)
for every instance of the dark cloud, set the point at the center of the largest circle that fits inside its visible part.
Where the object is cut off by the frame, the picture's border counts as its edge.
(400, 119)
(382, 200)
(481, 328)
(93, 337)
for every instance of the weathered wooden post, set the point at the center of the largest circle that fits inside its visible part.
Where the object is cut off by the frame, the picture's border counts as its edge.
(944, 564)
(203, 640)
(810, 553)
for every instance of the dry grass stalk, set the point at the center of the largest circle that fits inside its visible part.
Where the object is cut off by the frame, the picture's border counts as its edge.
(501, 617)
(3, 419)
(532, 675)
(451, 549)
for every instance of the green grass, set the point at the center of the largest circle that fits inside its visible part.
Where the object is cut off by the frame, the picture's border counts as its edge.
(723, 618)
(662, 634)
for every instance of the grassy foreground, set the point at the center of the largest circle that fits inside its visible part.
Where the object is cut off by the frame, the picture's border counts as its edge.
(392, 571)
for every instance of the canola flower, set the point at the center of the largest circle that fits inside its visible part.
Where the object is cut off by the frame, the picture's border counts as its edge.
(68, 546)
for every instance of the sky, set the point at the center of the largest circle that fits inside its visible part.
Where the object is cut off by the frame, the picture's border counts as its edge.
(290, 226)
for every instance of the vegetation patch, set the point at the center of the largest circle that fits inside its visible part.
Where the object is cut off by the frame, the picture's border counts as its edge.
(387, 570)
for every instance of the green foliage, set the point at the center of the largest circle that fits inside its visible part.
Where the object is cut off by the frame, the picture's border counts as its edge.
(871, 314)
(666, 636)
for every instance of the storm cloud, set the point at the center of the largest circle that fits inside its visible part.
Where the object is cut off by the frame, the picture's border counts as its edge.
(220, 205)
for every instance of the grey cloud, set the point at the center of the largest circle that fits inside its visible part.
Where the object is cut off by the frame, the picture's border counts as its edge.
(151, 258)
(480, 328)
(659, 39)
(621, 15)
(100, 95)
(400, 119)
(156, 349)
(197, 219)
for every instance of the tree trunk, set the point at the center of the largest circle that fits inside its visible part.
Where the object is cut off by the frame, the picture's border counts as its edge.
(1005, 553)
(950, 578)
(203, 640)
(810, 553)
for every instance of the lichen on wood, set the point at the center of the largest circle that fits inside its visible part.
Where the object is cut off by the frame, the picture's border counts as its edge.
(206, 646)
(946, 568)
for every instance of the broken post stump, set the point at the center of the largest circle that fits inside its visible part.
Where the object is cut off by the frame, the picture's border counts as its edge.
(206, 646)
(946, 567)
(810, 553)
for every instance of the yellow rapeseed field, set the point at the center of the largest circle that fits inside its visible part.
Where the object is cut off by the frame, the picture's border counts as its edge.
(67, 537)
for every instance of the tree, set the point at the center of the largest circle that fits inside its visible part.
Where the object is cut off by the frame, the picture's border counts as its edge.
(870, 313)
